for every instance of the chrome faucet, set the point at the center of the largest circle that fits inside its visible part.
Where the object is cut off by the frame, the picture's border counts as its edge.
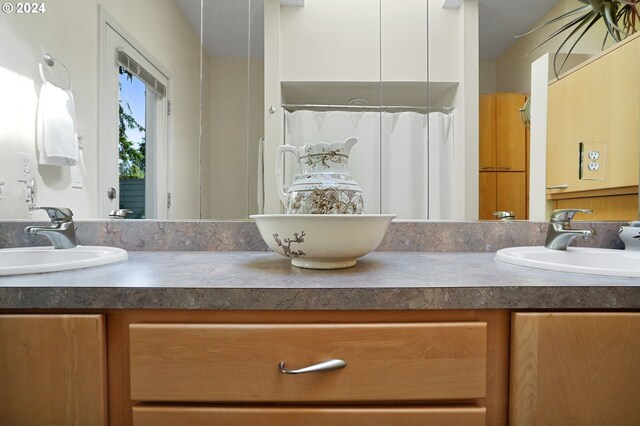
(61, 232)
(560, 233)
(504, 215)
(119, 214)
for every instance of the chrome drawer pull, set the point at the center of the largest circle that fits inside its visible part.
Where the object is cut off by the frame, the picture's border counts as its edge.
(332, 364)
(561, 186)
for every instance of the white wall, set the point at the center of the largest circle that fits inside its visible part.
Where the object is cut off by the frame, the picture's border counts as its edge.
(467, 110)
(444, 43)
(24, 39)
(69, 30)
(330, 40)
(403, 40)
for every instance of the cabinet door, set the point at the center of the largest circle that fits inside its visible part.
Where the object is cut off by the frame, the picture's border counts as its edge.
(318, 416)
(511, 193)
(588, 105)
(52, 370)
(510, 133)
(575, 369)
(487, 132)
(488, 195)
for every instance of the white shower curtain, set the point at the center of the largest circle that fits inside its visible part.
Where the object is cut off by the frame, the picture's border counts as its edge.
(399, 172)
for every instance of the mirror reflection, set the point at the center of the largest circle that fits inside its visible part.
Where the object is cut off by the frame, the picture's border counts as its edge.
(185, 123)
(132, 110)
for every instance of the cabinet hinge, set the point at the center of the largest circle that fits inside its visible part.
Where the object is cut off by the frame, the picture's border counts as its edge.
(168, 199)
(168, 107)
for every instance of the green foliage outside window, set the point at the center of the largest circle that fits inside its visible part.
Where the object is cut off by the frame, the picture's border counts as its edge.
(130, 157)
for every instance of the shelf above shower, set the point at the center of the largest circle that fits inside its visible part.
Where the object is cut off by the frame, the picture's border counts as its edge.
(412, 93)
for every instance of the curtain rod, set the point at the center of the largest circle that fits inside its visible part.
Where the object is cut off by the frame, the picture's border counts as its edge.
(443, 109)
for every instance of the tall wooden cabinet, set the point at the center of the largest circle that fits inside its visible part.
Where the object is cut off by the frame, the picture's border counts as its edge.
(53, 370)
(502, 155)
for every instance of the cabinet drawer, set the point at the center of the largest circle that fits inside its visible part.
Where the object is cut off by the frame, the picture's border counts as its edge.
(239, 362)
(270, 416)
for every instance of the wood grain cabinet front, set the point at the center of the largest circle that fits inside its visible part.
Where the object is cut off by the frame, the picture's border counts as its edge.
(503, 156)
(575, 369)
(53, 370)
(381, 374)
(219, 363)
(317, 416)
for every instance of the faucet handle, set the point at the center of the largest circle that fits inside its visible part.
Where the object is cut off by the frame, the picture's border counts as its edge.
(57, 214)
(566, 215)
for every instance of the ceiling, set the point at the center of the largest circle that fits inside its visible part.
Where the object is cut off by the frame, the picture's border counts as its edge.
(501, 20)
(230, 24)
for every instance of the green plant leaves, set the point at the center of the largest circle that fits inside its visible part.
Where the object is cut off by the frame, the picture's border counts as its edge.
(619, 17)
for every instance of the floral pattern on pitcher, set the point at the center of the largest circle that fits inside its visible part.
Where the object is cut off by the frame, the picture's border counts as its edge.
(326, 201)
(324, 184)
(336, 156)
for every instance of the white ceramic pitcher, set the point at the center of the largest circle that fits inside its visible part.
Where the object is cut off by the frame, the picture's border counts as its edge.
(324, 185)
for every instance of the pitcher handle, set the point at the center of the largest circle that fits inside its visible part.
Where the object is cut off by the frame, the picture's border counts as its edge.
(279, 156)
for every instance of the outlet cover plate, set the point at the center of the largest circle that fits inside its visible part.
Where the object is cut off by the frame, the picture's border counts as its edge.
(593, 160)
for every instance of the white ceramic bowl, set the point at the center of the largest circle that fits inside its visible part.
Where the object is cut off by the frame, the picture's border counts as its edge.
(630, 236)
(323, 241)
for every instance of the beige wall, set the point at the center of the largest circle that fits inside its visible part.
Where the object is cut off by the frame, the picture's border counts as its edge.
(513, 68)
(235, 123)
(69, 30)
(487, 76)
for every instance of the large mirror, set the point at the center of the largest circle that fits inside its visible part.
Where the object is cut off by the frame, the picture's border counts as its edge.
(172, 100)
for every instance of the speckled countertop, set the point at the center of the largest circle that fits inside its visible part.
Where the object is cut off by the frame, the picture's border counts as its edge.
(226, 265)
(263, 280)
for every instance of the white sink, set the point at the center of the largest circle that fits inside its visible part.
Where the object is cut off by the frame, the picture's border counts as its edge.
(581, 260)
(33, 260)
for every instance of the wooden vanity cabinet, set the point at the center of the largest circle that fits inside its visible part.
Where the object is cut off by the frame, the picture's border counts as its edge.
(575, 369)
(403, 368)
(53, 370)
(306, 416)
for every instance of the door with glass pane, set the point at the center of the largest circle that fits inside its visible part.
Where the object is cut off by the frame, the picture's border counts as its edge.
(133, 144)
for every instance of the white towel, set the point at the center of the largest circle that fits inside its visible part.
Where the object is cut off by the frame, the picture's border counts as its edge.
(56, 127)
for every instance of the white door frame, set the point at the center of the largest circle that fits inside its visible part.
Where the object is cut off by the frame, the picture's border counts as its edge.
(156, 188)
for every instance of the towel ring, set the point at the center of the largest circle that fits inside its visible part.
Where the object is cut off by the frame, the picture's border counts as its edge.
(49, 60)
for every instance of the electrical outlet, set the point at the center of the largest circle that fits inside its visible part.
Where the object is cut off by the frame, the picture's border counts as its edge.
(26, 167)
(593, 160)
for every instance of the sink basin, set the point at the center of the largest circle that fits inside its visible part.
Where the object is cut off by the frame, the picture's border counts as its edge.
(33, 260)
(581, 260)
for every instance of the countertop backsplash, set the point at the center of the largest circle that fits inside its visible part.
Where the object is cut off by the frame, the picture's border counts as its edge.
(201, 235)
